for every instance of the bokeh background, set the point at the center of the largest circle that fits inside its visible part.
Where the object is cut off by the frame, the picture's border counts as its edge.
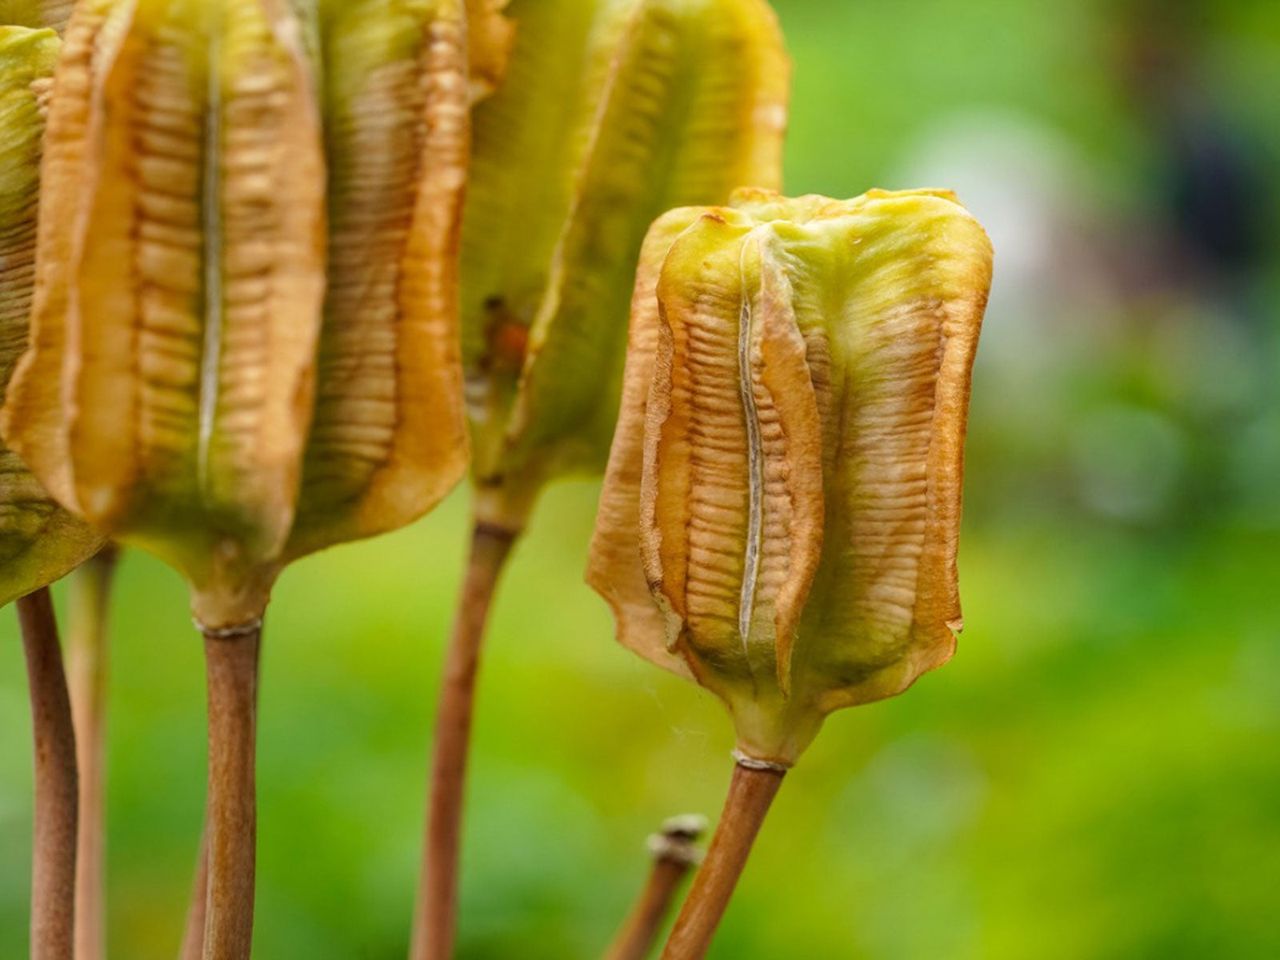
(1096, 775)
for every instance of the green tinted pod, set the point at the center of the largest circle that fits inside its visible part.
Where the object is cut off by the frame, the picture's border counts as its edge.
(180, 280)
(39, 541)
(389, 438)
(781, 510)
(610, 112)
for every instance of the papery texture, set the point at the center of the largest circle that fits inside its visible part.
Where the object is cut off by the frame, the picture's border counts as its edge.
(39, 541)
(389, 437)
(610, 113)
(786, 476)
(245, 340)
(179, 285)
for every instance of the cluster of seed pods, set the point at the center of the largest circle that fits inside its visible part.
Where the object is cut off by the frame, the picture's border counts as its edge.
(274, 272)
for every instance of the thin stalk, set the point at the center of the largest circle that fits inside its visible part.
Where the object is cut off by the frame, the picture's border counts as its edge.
(435, 916)
(751, 793)
(231, 825)
(53, 874)
(88, 657)
(675, 853)
(193, 936)
(197, 910)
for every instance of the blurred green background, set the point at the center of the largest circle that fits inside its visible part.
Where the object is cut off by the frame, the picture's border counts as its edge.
(1096, 775)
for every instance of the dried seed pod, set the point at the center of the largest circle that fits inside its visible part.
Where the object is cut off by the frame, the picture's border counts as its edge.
(611, 112)
(781, 509)
(39, 541)
(216, 373)
(179, 286)
(36, 13)
(389, 437)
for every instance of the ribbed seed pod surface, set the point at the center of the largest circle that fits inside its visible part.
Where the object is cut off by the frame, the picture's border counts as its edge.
(389, 437)
(781, 510)
(39, 541)
(611, 111)
(194, 311)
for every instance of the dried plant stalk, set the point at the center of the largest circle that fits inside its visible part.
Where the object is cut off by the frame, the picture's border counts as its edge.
(435, 919)
(751, 794)
(53, 876)
(88, 659)
(675, 853)
(232, 817)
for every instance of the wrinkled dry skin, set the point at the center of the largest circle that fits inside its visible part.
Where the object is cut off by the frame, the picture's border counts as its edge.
(389, 437)
(611, 112)
(181, 299)
(39, 541)
(790, 450)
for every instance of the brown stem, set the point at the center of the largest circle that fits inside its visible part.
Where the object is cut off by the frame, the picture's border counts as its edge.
(53, 874)
(751, 793)
(675, 853)
(232, 658)
(87, 664)
(197, 910)
(435, 916)
(193, 936)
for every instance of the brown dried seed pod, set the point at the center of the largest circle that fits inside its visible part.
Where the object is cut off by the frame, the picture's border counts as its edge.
(244, 341)
(781, 512)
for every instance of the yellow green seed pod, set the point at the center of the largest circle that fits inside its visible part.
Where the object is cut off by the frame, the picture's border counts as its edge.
(389, 436)
(781, 510)
(216, 374)
(39, 541)
(611, 111)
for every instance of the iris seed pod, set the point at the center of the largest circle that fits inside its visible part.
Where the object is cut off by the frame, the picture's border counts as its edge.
(39, 541)
(611, 112)
(781, 510)
(243, 340)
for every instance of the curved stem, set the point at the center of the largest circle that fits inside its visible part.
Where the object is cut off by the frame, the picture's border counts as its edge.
(232, 809)
(675, 853)
(751, 793)
(53, 875)
(435, 916)
(87, 664)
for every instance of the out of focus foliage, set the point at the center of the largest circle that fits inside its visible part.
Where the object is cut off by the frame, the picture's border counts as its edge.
(1094, 776)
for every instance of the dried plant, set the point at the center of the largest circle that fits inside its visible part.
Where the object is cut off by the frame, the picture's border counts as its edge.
(39, 541)
(781, 512)
(243, 336)
(608, 113)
